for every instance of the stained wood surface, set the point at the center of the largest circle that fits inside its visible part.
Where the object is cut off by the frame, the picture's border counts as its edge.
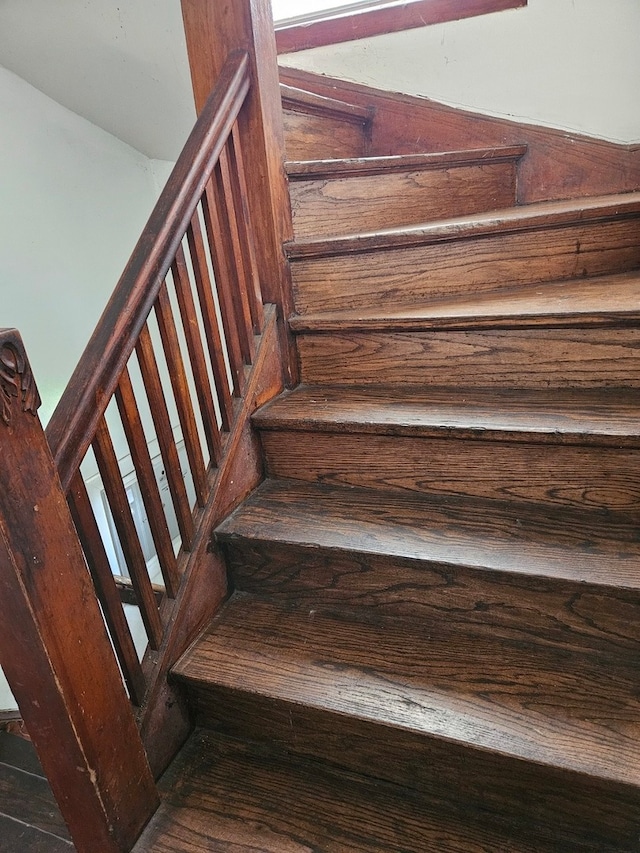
(529, 359)
(236, 798)
(559, 164)
(514, 700)
(526, 541)
(608, 416)
(394, 276)
(15, 837)
(603, 300)
(320, 137)
(305, 102)
(582, 478)
(389, 192)
(334, 27)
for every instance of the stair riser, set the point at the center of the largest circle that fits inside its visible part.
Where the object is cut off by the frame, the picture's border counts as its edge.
(553, 476)
(570, 615)
(556, 803)
(331, 207)
(309, 137)
(403, 276)
(494, 358)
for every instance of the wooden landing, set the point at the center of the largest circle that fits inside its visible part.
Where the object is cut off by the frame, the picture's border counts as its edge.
(225, 796)
(30, 821)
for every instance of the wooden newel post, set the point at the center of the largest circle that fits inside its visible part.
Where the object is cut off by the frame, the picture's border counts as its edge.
(215, 28)
(53, 644)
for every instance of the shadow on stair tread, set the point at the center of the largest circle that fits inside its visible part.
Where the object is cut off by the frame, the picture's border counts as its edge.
(244, 798)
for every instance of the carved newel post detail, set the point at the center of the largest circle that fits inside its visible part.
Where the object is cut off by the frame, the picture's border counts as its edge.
(53, 644)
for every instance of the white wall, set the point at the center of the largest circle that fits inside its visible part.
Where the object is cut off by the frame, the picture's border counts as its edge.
(571, 64)
(73, 201)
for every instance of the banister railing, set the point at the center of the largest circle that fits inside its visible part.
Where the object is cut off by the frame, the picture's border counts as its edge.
(193, 271)
(181, 356)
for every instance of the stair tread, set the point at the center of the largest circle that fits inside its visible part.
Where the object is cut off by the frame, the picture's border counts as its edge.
(528, 541)
(359, 166)
(489, 695)
(508, 220)
(243, 798)
(608, 299)
(302, 100)
(570, 416)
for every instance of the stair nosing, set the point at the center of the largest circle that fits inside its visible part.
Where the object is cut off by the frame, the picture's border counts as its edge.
(521, 219)
(541, 566)
(346, 706)
(272, 417)
(307, 170)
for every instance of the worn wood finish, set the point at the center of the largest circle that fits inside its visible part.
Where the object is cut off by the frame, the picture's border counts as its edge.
(600, 417)
(376, 18)
(248, 24)
(467, 256)
(166, 719)
(375, 193)
(493, 470)
(78, 716)
(559, 165)
(530, 359)
(312, 670)
(321, 138)
(281, 802)
(610, 300)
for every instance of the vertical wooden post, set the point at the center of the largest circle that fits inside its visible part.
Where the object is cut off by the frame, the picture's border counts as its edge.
(213, 29)
(53, 645)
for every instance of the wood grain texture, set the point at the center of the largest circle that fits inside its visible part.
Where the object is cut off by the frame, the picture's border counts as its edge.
(165, 720)
(322, 137)
(599, 301)
(334, 27)
(327, 206)
(70, 693)
(559, 164)
(529, 359)
(260, 662)
(553, 578)
(401, 275)
(554, 476)
(28, 798)
(604, 416)
(236, 798)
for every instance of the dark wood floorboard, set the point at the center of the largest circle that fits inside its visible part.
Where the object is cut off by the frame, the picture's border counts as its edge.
(17, 837)
(233, 798)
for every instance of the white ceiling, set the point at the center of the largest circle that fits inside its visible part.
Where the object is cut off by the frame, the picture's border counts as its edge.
(122, 64)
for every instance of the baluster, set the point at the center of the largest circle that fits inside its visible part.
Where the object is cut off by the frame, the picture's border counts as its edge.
(162, 423)
(209, 314)
(136, 439)
(225, 283)
(245, 227)
(127, 533)
(106, 588)
(198, 364)
(228, 216)
(179, 383)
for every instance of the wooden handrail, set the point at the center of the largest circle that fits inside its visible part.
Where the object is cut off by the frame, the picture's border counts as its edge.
(73, 424)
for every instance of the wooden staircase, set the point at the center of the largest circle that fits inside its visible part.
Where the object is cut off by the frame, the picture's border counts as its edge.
(432, 641)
